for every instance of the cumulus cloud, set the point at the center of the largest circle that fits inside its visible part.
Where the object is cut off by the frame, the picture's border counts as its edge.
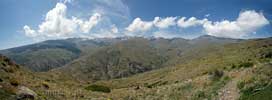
(164, 22)
(57, 25)
(183, 23)
(86, 26)
(246, 23)
(139, 26)
(99, 24)
(29, 32)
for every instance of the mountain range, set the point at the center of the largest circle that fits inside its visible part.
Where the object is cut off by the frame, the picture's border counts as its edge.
(137, 68)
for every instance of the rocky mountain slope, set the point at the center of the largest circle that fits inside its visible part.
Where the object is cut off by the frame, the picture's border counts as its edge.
(52, 54)
(151, 69)
(112, 58)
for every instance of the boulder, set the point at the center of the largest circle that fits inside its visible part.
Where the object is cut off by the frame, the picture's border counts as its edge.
(25, 93)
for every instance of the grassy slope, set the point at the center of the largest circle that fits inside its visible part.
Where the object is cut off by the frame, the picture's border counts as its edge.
(45, 55)
(193, 79)
(137, 55)
(195, 72)
(119, 60)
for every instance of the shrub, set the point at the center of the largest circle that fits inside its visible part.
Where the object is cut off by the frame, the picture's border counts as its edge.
(216, 74)
(245, 65)
(199, 95)
(226, 78)
(4, 64)
(45, 85)
(241, 85)
(257, 93)
(14, 82)
(233, 66)
(99, 88)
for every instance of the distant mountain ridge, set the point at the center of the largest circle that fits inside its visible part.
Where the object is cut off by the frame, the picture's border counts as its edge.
(51, 54)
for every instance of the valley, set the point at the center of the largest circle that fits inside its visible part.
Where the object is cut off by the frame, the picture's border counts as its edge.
(136, 68)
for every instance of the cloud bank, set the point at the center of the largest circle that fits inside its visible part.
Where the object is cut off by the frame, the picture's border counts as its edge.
(247, 23)
(104, 22)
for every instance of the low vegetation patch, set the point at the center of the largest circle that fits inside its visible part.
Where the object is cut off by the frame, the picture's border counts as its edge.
(45, 85)
(14, 82)
(199, 95)
(245, 65)
(99, 88)
(242, 65)
(5, 95)
(158, 83)
(216, 74)
(257, 93)
(259, 86)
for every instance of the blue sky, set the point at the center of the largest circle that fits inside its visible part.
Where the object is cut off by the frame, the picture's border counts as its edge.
(29, 21)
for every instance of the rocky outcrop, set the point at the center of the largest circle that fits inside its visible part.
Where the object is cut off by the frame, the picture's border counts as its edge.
(25, 93)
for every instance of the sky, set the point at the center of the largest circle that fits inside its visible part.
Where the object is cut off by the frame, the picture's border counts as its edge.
(25, 22)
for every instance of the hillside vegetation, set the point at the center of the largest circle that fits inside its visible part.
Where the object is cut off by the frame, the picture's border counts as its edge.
(206, 68)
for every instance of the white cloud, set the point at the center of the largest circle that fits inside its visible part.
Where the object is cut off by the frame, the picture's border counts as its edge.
(139, 26)
(66, 1)
(29, 32)
(246, 23)
(207, 15)
(86, 26)
(57, 25)
(183, 23)
(114, 29)
(164, 22)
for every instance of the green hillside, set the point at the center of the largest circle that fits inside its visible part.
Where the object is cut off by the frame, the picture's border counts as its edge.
(152, 69)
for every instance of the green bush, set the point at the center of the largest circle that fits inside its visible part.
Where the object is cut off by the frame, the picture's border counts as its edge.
(14, 82)
(45, 85)
(253, 93)
(242, 65)
(241, 85)
(216, 74)
(99, 88)
(199, 95)
(245, 65)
